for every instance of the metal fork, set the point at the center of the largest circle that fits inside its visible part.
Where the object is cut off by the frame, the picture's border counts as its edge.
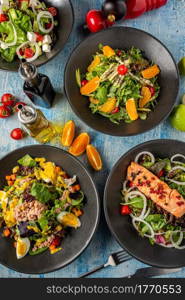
(113, 260)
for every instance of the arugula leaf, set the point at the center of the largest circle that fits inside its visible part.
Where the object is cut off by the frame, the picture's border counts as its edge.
(27, 161)
(76, 202)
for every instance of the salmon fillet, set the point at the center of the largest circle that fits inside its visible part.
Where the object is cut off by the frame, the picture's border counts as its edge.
(157, 190)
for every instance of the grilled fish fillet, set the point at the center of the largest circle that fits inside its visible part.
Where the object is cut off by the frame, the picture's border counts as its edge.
(155, 189)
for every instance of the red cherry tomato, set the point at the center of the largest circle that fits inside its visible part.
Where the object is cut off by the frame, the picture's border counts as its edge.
(39, 37)
(53, 11)
(28, 53)
(8, 99)
(152, 90)
(3, 18)
(17, 104)
(125, 210)
(56, 241)
(122, 69)
(95, 20)
(131, 184)
(84, 82)
(17, 134)
(115, 110)
(5, 111)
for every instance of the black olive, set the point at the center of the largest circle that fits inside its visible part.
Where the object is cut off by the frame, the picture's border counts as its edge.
(118, 8)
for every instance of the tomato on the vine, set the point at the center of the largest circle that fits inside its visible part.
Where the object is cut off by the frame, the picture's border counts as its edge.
(5, 111)
(8, 99)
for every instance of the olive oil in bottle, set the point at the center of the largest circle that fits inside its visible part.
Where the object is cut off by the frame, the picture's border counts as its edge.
(35, 124)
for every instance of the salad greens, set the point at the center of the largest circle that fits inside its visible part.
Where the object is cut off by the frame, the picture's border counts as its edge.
(122, 75)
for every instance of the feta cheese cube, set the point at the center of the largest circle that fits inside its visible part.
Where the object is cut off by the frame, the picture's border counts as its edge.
(46, 48)
(31, 36)
(47, 39)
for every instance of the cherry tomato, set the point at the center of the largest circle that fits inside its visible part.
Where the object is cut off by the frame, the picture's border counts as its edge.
(84, 82)
(125, 210)
(17, 134)
(8, 99)
(160, 174)
(56, 241)
(115, 110)
(95, 20)
(3, 18)
(53, 11)
(152, 90)
(131, 184)
(21, 52)
(28, 53)
(122, 69)
(39, 37)
(17, 104)
(5, 111)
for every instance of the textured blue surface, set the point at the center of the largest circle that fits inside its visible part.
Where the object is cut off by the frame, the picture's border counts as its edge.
(168, 25)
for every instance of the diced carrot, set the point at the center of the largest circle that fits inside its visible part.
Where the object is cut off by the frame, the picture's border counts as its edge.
(10, 183)
(13, 177)
(52, 247)
(6, 232)
(75, 188)
(8, 177)
(77, 212)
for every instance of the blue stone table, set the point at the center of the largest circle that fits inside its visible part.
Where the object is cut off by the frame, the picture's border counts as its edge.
(168, 25)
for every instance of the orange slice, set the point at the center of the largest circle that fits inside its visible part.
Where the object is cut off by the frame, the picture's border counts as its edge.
(108, 51)
(79, 144)
(131, 109)
(94, 64)
(91, 86)
(108, 106)
(68, 133)
(94, 157)
(145, 92)
(150, 72)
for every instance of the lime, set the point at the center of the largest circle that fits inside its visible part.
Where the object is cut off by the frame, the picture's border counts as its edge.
(177, 117)
(181, 66)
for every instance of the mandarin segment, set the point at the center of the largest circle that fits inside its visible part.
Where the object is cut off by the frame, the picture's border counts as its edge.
(131, 109)
(150, 72)
(108, 106)
(79, 145)
(145, 92)
(108, 51)
(94, 157)
(68, 133)
(90, 86)
(94, 64)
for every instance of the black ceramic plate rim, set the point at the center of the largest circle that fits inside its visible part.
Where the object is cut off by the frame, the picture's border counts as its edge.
(57, 51)
(105, 206)
(98, 33)
(98, 211)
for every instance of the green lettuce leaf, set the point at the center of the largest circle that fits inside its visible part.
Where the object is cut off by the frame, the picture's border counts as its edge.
(27, 161)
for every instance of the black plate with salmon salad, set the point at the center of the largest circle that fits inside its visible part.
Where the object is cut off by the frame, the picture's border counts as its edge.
(49, 209)
(147, 216)
(33, 30)
(121, 86)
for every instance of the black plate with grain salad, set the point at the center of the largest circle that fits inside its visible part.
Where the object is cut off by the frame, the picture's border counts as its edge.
(154, 196)
(38, 205)
(122, 85)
